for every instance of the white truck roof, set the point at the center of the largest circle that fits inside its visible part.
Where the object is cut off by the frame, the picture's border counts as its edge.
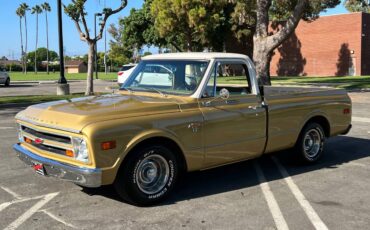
(194, 56)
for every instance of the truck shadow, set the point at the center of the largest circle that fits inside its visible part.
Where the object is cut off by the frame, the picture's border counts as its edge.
(338, 151)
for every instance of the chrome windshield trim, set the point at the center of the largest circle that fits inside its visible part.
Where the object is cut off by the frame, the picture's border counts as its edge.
(48, 126)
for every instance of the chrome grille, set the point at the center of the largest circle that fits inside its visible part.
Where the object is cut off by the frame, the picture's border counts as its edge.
(47, 136)
(45, 141)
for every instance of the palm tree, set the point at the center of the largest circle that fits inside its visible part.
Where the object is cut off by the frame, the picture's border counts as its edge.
(36, 10)
(25, 8)
(46, 7)
(20, 13)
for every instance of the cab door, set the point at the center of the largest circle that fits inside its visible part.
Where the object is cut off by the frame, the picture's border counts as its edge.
(234, 128)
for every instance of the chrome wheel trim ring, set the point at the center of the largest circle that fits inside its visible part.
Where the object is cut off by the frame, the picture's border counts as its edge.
(312, 143)
(152, 174)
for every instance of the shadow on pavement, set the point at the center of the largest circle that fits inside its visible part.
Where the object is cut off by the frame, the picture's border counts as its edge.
(338, 151)
(16, 86)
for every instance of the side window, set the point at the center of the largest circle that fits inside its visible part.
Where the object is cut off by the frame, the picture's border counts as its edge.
(232, 76)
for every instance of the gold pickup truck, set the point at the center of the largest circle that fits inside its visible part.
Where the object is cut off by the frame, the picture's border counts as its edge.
(177, 113)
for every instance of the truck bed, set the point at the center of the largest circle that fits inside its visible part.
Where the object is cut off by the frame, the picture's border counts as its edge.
(289, 108)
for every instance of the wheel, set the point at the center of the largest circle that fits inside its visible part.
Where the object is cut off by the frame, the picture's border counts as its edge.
(148, 176)
(7, 82)
(310, 144)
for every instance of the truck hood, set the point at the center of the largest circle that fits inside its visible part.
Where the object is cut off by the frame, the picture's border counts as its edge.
(73, 115)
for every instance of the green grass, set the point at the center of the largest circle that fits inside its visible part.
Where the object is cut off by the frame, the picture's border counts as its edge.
(347, 82)
(42, 76)
(35, 99)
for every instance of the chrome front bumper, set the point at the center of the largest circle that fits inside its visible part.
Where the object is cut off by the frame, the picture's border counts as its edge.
(83, 176)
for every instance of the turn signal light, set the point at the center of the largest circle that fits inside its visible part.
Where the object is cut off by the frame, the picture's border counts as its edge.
(27, 140)
(120, 73)
(108, 145)
(69, 153)
(346, 111)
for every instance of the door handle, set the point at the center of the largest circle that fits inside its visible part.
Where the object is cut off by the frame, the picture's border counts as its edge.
(255, 107)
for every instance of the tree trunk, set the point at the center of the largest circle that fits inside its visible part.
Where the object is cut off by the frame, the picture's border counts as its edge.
(264, 44)
(20, 29)
(25, 48)
(47, 42)
(37, 37)
(262, 57)
(90, 70)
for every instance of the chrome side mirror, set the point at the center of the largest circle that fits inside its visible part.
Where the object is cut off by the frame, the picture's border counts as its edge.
(224, 94)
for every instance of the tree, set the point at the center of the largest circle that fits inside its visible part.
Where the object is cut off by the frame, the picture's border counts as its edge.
(270, 12)
(233, 32)
(133, 32)
(76, 11)
(36, 10)
(42, 55)
(20, 13)
(192, 22)
(25, 8)
(357, 5)
(119, 54)
(46, 7)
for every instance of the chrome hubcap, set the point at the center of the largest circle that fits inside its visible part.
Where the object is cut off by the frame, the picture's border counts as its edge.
(152, 174)
(312, 143)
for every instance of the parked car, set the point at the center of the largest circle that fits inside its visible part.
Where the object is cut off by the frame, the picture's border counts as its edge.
(124, 73)
(4, 78)
(142, 138)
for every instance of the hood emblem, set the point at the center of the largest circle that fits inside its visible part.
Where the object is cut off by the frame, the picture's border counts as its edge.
(194, 126)
(38, 141)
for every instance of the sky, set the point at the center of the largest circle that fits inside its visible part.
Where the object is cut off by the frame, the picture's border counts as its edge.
(10, 34)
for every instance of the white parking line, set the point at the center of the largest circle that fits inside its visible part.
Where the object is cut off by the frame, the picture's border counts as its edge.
(58, 219)
(270, 199)
(361, 119)
(1, 128)
(15, 195)
(15, 224)
(7, 204)
(310, 212)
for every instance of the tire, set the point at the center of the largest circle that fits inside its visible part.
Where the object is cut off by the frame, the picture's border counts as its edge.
(7, 82)
(310, 144)
(148, 176)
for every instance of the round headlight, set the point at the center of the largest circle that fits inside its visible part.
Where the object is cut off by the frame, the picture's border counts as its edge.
(80, 149)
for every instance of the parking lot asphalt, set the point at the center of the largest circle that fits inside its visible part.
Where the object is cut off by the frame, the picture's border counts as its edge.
(271, 192)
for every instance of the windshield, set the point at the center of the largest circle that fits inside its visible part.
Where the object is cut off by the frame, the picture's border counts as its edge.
(167, 76)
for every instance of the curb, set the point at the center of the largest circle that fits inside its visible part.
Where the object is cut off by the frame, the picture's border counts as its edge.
(15, 105)
(55, 81)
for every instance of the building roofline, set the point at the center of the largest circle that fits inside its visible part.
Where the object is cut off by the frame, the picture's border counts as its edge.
(341, 14)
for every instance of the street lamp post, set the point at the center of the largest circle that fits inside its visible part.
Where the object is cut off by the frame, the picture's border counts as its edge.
(63, 86)
(96, 47)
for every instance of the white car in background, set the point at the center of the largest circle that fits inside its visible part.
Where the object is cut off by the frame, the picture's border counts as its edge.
(4, 78)
(124, 72)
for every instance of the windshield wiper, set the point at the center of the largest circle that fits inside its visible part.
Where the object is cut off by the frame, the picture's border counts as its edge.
(154, 89)
(128, 89)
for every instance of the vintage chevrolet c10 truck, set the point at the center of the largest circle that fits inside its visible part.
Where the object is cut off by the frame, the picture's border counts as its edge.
(177, 113)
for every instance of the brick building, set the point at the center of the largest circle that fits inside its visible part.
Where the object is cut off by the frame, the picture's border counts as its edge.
(336, 45)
